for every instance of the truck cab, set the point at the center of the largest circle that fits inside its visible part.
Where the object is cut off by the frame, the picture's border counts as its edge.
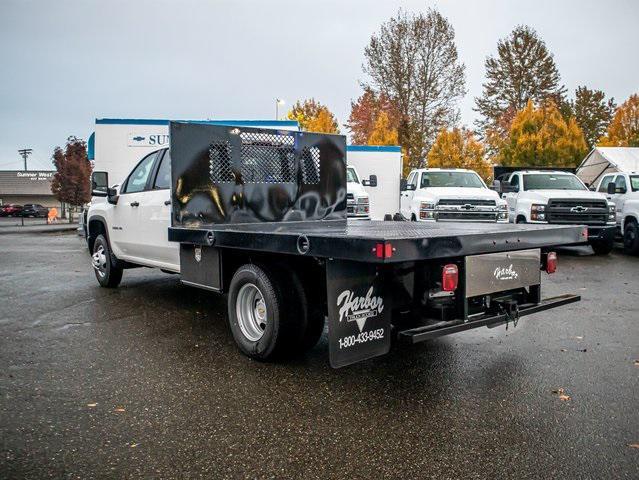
(438, 195)
(138, 213)
(559, 197)
(622, 189)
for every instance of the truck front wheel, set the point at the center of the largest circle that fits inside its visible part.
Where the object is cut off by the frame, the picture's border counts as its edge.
(267, 316)
(631, 238)
(602, 247)
(108, 274)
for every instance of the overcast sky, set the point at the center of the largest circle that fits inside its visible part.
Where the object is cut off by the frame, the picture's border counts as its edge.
(65, 63)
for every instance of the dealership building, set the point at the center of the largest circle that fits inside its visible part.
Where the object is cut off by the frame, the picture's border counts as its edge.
(27, 186)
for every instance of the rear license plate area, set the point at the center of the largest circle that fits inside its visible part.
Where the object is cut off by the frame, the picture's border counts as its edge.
(498, 272)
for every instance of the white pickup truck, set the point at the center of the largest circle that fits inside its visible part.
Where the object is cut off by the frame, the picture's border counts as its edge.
(357, 199)
(623, 190)
(436, 195)
(559, 197)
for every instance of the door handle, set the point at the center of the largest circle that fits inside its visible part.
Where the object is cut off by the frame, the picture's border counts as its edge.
(135, 204)
(609, 197)
(167, 202)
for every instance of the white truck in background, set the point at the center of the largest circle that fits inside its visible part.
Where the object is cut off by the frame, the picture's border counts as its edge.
(357, 199)
(558, 197)
(622, 188)
(384, 163)
(454, 194)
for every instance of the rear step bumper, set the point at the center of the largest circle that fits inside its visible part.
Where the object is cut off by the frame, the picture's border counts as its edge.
(419, 334)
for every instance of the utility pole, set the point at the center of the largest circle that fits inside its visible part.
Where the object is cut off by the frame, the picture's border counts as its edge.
(24, 153)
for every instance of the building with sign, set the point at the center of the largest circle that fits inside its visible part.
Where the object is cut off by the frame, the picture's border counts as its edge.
(27, 186)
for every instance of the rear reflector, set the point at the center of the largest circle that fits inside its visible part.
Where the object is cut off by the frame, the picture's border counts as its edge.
(388, 250)
(450, 278)
(551, 262)
(383, 250)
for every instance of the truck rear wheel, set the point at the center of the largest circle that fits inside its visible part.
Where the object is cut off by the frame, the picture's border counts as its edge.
(267, 312)
(602, 247)
(108, 274)
(631, 238)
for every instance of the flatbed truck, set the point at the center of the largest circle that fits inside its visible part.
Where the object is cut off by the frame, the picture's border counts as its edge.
(261, 217)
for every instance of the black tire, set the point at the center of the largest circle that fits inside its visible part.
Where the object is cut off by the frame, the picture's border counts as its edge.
(108, 274)
(631, 238)
(602, 247)
(284, 305)
(520, 219)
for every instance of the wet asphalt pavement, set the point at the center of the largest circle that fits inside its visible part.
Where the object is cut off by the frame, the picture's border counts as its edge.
(145, 381)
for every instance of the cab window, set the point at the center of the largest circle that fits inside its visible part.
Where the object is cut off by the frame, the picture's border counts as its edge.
(163, 177)
(620, 182)
(603, 186)
(414, 180)
(514, 181)
(140, 175)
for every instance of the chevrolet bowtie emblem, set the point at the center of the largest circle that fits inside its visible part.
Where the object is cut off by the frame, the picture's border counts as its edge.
(579, 209)
(468, 206)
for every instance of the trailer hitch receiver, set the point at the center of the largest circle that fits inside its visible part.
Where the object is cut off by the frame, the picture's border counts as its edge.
(510, 309)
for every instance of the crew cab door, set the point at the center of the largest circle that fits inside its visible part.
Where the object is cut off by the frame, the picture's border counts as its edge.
(406, 198)
(619, 199)
(155, 213)
(511, 197)
(128, 234)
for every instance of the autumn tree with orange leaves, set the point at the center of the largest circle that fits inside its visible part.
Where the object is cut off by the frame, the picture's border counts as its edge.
(540, 136)
(458, 148)
(623, 131)
(313, 116)
(365, 113)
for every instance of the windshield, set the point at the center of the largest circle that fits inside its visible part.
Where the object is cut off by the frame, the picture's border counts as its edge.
(351, 176)
(451, 179)
(550, 181)
(634, 183)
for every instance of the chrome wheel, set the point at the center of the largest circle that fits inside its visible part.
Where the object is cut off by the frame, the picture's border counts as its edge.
(250, 309)
(99, 260)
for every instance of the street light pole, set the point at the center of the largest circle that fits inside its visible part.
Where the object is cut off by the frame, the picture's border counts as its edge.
(278, 102)
(25, 152)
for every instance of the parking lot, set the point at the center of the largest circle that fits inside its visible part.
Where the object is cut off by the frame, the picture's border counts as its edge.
(145, 381)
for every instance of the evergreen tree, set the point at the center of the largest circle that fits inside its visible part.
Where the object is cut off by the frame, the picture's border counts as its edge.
(592, 112)
(523, 70)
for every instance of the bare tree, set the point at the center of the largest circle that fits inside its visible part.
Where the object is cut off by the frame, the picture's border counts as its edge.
(413, 61)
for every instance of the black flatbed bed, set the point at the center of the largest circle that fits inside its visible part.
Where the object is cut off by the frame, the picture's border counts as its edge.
(358, 240)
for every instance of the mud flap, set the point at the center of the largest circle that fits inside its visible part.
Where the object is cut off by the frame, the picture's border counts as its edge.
(359, 312)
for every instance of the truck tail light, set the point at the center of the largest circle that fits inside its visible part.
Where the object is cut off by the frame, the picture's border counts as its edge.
(551, 262)
(450, 278)
(383, 250)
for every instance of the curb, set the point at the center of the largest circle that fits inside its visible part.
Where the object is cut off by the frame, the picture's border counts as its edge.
(25, 230)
